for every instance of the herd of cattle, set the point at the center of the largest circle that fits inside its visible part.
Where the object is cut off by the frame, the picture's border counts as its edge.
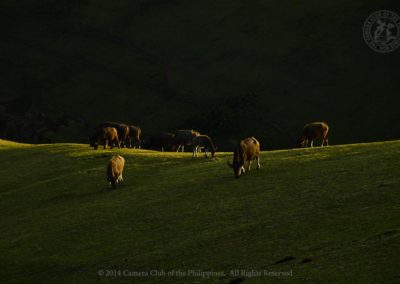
(119, 135)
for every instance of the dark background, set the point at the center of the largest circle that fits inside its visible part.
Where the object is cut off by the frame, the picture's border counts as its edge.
(228, 68)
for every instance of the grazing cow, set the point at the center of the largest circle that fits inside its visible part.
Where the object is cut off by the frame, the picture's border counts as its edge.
(184, 137)
(134, 136)
(163, 141)
(203, 142)
(122, 129)
(104, 136)
(311, 131)
(115, 167)
(247, 150)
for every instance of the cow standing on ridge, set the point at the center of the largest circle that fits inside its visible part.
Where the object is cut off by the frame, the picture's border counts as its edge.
(312, 131)
(184, 138)
(247, 150)
(122, 129)
(163, 141)
(133, 138)
(104, 136)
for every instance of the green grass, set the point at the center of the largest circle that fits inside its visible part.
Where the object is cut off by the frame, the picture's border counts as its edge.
(338, 206)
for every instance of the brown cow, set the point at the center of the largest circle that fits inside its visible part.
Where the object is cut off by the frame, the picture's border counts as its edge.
(122, 130)
(115, 168)
(203, 142)
(311, 131)
(247, 150)
(184, 137)
(134, 134)
(104, 136)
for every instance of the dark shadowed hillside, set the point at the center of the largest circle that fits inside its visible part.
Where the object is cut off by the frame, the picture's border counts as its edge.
(227, 68)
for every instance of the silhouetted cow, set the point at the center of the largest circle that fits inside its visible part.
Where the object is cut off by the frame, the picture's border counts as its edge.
(312, 131)
(203, 142)
(104, 136)
(163, 141)
(184, 137)
(133, 138)
(247, 150)
(115, 168)
(122, 129)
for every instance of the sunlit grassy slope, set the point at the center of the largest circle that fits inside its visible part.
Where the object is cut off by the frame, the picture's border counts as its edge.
(327, 215)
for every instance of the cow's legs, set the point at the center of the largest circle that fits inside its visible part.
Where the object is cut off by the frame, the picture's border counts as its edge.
(183, 148)
(120, 179)
(312, 143)
(258, 162)
(205, 153)
(179, 147)
(105, 144)
(195, 151)
(249, 165)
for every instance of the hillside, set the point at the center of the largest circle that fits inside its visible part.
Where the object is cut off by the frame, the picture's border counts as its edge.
(226, 68)
(328, 215)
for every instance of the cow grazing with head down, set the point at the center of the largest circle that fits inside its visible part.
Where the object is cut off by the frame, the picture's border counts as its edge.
(312, 131)
(203, 142)
(122, 129)
(104, 136)
(184, 137)
(133, 138)
(247, 150)
(115, 168)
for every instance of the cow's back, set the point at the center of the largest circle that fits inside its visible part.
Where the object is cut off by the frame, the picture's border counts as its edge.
(315, 130)
(162, 139)
(185, 136)
(252, 147)
(110, 132)
(115, 168)
(122, 129)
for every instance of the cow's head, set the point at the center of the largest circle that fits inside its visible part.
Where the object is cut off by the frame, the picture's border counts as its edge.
(301, 142)
(238, 162)
(213, 150)
(213, 153)
(93, 142)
